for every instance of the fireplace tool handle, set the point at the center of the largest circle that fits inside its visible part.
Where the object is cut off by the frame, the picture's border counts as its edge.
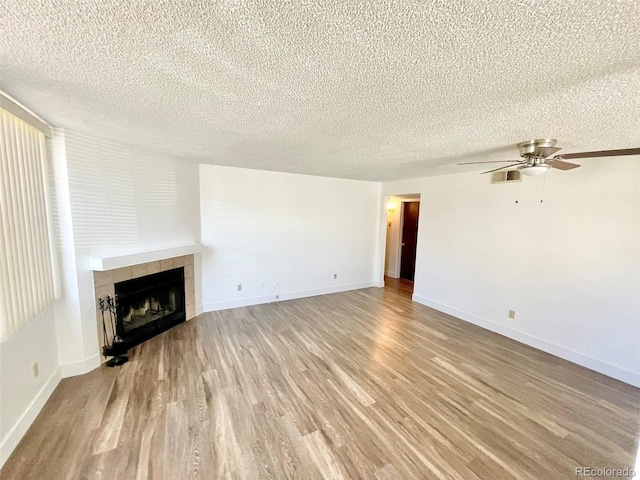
(118, 359)
(105, 337)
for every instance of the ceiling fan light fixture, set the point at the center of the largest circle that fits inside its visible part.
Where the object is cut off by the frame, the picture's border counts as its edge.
(535, 155)
(534, 169)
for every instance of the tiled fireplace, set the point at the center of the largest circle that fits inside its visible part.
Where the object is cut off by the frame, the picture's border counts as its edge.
(140, 310)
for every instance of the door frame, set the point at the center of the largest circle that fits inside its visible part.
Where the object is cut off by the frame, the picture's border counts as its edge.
(397, 252)
(401, 239)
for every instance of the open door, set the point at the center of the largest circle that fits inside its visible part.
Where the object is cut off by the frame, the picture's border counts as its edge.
(410, 213)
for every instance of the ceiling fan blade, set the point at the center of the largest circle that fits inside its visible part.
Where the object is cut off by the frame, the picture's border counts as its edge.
(560, 165)
(601, 153)
(502, 168)
(544, 152)
(492, 161)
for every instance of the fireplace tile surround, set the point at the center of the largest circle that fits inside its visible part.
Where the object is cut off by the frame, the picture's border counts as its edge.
(104, 284)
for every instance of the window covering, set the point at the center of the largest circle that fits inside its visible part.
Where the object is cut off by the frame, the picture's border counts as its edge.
(26, 272)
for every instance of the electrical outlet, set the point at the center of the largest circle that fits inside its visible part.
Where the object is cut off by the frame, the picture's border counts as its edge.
(262, 284)
(277, 297)
(335, 275)
(36, 369)
(239, 287)
(512, 314)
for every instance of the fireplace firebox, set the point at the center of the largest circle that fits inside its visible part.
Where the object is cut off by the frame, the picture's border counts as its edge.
(147, 306)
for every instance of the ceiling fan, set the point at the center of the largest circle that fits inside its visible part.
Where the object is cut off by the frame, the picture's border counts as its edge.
(534, 155)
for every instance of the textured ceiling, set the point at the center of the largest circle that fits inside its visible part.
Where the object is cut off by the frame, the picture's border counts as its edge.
(374, 90)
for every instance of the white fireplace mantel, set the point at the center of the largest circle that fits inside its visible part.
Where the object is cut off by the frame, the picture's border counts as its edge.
(109, 263)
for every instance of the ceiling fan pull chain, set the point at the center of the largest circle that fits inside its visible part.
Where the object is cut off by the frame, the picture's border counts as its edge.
(544, 181)
(518, 192)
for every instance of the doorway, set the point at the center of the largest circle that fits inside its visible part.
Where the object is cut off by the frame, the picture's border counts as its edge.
(401, 237)
(409, 243)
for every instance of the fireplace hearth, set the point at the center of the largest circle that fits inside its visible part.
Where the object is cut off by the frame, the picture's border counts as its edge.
(147, 306)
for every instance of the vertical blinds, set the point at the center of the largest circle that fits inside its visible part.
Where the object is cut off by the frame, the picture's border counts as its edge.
(26, 276)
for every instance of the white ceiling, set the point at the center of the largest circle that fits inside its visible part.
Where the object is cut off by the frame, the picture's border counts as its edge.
(374, 90)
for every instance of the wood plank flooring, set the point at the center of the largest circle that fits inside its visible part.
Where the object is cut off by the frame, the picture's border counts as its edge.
(362, 384)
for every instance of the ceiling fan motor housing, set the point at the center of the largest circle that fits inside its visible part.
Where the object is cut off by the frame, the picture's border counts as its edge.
(536, 153)
(530, 147)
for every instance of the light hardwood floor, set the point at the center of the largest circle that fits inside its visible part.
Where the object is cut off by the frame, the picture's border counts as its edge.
(362, 384)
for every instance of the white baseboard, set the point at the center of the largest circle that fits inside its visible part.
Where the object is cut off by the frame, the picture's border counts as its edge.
(247, 302)
(81, 367)
(613, 371)
(16, 433)
(391, 274)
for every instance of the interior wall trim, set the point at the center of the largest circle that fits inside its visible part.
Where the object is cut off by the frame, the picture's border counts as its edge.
(284, 295)
(81, 367)
(16, 433)
(613, 371)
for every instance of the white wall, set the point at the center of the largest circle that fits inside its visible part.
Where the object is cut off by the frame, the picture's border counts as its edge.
(67, 307)
(122, 200)
(285, 234)
(23, 394)
(569, 267)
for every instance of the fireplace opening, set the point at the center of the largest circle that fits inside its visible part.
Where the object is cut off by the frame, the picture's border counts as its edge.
(147, 306)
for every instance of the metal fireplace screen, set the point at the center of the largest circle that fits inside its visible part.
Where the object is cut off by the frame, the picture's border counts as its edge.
(149, 305)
